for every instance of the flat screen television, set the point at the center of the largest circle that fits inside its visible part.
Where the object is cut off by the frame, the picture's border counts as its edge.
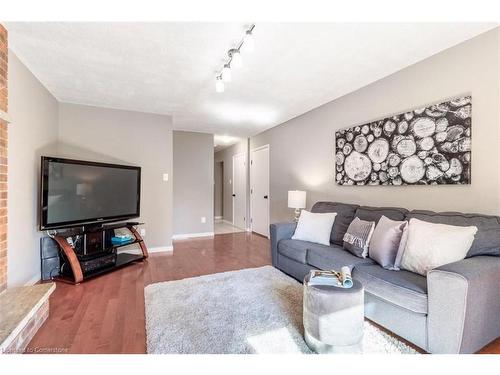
(77, 192)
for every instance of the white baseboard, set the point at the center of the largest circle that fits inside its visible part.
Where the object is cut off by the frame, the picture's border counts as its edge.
(160, 249)
(192, 235)
(151, 250)
(218, 218)
(227, 222)
(32, 281)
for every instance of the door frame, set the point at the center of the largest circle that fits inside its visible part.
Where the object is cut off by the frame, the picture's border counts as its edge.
(268, 147)
(232, 188)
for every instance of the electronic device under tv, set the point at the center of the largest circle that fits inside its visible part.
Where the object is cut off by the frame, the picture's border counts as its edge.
(83, 193)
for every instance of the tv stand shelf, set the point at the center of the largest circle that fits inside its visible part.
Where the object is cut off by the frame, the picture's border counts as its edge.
(122, 259)
(75, 261)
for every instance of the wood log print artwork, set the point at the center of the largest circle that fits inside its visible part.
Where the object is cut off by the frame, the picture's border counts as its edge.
(425, 146)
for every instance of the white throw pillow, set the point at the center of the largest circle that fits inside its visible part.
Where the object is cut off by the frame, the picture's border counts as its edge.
(432, 245)
(314, 227)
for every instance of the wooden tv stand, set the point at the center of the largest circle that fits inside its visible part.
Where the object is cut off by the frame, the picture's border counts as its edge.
(74, 260)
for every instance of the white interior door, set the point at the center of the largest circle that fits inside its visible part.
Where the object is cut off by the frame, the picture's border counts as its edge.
(259, 190)
(239, 190)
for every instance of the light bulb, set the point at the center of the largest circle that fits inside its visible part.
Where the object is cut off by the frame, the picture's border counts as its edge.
(219, 85)
(237, 62)
(249, 42)
(226, 73)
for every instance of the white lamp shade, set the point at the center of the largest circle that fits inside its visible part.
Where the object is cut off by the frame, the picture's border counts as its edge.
(296, 199)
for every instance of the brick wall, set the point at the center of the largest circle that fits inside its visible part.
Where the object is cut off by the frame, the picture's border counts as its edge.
(3, 158)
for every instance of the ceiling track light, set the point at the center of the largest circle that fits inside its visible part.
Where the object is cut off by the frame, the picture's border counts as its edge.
(219, 85)
(247, 44)
(249, 41)
(235, 57)
(226, 73)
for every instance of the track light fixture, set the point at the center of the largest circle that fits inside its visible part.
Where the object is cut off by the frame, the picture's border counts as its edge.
(235, 56)
(234, 59)
(219, 85)
(249, 41)
(226, 73)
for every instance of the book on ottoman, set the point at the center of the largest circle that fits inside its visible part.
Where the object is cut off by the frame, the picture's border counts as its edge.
(340, 279)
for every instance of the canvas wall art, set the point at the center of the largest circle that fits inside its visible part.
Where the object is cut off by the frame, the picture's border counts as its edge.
(425, 146)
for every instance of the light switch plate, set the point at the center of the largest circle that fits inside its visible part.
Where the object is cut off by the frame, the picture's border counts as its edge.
(165, 177)
(203, 219)
(143, 232)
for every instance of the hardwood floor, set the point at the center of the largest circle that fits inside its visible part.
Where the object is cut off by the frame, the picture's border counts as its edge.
(106, 314)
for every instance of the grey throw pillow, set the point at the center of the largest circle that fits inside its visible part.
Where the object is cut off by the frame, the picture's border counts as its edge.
(357, 237)
(385, 241)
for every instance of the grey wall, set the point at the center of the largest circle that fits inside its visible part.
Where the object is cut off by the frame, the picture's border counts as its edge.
(193, 182)
(218, 188)
(302, 149)
(226, 156)
(32, 133)
(124, 137)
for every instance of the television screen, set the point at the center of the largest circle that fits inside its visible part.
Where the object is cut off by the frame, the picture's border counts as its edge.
(75, 192)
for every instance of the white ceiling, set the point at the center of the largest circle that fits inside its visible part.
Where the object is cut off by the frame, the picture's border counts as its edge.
(169, 68)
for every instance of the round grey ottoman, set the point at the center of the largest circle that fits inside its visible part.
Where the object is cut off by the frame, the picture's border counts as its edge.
(333, 317)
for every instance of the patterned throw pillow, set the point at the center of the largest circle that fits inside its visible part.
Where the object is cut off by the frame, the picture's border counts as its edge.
(357, 237)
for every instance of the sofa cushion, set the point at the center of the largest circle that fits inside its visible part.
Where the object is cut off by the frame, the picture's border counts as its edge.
(345, 214)
(431, 245)
(375, 213)
(487, 239)
(402, 288)
(294, 249)
(386, 241)
(333, 257)
(314, 227)
(358, 236)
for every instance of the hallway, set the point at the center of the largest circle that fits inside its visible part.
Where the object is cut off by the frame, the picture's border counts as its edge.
(223, 227)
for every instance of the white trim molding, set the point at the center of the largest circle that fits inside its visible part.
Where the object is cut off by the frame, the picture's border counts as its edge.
(192, 235)
(217, 217)
(151, 250)
(160, 249)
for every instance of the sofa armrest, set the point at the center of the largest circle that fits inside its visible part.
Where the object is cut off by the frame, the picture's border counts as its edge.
(280, 231)
(464, 305)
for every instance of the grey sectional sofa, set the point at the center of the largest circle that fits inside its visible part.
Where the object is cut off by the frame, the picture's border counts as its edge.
(455, 309)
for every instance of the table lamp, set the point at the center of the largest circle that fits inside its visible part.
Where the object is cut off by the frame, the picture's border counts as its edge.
(296, 200)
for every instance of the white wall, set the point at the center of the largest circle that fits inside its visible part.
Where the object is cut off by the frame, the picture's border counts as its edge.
(32, 133)
(193, 179)
(125, 137)
(302, 149)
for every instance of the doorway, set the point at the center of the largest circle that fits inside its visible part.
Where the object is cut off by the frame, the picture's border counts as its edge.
(239, 190)
(218, 190)
(259, 190)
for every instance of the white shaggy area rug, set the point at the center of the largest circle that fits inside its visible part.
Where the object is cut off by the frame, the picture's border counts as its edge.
(256, 310)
